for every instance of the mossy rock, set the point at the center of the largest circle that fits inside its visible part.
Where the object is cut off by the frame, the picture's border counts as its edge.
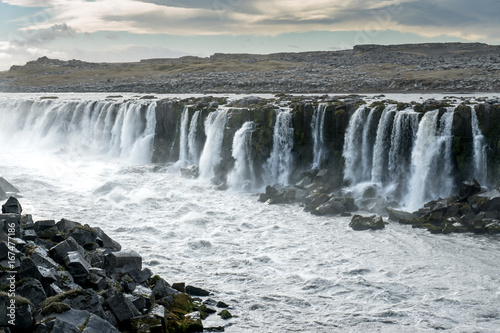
(19, 299)
(224, 314)
(433, 229)
(182, 304)
(151, 282)
(61, 297)
(182, 324)
(55, 307)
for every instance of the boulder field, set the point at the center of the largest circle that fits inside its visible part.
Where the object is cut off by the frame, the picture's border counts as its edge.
(60, 277)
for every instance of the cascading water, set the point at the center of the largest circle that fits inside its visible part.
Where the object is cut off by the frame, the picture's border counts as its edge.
(431, 160)
(183, 142)
(480, 148)
(123, 130)
(317, 128)
(404, 131)
(279, 164)
(353, 143)
(242, 177)
(383, 145)
(211, 154)
(193, 139)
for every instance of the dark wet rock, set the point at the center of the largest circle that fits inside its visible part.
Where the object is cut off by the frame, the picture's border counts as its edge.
(314, 200)
(44, 225)
(190, 172)
(335, 206)
(31, 289)
(360, 223)
(468, 188)
(221, 304)
(401, 216)
(12, 206)
(485, 201)
(30, 270)
(163, 289)
(195, 291)
(59, 251)
(105, 241)
(77, 266)
(225, 314)
(121, 263)
(147, 323)
(179, 286)
(122, 308)
(141, 276)
(83, 235)
(66, 226)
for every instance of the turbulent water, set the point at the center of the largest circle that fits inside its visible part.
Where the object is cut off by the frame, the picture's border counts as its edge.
(280, 269)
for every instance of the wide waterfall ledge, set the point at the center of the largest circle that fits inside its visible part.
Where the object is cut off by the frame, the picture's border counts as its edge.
(396, 151)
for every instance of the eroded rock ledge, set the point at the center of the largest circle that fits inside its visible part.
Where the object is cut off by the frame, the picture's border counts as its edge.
(67, 277)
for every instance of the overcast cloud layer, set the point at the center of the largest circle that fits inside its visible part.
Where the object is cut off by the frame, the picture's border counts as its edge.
(107, 30)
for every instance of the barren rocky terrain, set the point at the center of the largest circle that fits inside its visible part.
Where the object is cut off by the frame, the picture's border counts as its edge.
(458, 67)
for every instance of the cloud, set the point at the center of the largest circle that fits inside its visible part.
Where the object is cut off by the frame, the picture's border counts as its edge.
(42, 36)
(272, 17)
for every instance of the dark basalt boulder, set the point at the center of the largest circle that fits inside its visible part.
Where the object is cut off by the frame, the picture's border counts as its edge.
(121, 263)
(336, 206)
(92, 290)
(401, 216)
(12, 206)
(468, 188)
(360, 223)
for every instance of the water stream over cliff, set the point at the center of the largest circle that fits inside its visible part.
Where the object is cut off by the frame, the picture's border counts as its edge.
(280, 268)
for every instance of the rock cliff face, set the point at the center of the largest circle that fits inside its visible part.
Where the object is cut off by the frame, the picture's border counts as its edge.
(463, 146)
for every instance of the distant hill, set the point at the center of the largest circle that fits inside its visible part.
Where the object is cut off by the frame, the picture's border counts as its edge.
(366, 68)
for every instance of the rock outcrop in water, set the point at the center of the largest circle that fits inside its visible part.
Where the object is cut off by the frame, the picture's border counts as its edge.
(473, 210)
(64, 277)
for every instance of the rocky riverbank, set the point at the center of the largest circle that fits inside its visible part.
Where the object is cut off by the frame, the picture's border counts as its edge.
(472, 210)
(430, 67)
(65, 276)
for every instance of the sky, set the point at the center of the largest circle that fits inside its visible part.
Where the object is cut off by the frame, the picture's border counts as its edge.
(130, 30)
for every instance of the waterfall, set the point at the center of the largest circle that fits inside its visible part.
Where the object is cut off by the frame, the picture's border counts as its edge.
(317, 128)
(183, 141)
(358, 146)
(383, 145)
(352, 146)
(279, 164)
(121, 130)
(480, 147)
(404, 132)
(211, 154)
(242, 176)
(192, 139)
(431, 159)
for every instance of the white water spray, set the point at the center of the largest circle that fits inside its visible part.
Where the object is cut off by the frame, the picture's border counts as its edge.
(431, 160)
(242, 176)
(279, 164)
(211, 154)
(317, 128)
(192, 139)
(382, 145)
(480, 147)
(122, 130)
(183, 144)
